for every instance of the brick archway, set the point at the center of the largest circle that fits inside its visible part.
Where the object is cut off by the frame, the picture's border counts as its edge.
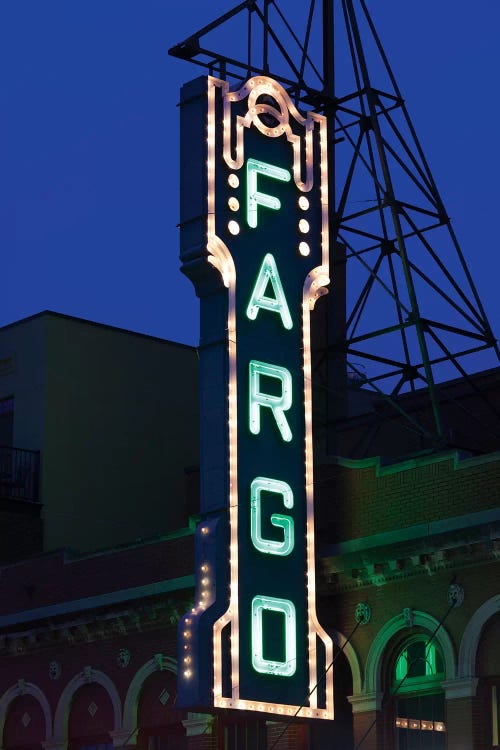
(25, 688)
(341, 642)
(157, 663)
(88, 675)
(472, 635)
(373, 667)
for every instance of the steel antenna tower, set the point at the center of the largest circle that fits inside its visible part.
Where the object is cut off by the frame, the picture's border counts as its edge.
(404, 315)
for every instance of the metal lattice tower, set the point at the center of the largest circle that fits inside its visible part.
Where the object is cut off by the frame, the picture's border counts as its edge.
(404, 315)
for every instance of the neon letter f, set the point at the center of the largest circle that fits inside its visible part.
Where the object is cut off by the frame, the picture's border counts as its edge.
(254, 198)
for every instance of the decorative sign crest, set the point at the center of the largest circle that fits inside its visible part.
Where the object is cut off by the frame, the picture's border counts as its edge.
(264, 229)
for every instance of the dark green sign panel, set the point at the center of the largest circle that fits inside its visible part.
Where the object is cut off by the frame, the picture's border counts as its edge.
(266, 234)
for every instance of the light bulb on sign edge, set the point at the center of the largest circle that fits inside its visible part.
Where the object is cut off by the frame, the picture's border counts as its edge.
(233, 203)
(233, 180)
(303, 226)
(304, 249)
(303, 203)
(234, 163)
(233, 227)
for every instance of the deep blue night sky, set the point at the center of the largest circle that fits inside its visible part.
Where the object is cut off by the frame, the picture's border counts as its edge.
(89, 157)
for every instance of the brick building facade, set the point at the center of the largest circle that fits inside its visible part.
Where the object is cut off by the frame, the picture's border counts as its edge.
(408, 588)
(418, 542)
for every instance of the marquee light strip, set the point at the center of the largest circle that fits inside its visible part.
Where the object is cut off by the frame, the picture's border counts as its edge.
(253, 89)
(314, 287)
(420, 724)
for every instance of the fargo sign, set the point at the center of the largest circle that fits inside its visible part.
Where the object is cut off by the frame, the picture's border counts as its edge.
(254, 240)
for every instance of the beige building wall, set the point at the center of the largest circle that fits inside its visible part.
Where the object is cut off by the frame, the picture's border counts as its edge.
(115, 416)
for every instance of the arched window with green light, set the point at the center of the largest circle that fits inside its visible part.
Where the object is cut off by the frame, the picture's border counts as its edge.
(420, 660)
(419, 699)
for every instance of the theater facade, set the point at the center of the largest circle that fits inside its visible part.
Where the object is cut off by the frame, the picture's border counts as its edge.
(308, 597)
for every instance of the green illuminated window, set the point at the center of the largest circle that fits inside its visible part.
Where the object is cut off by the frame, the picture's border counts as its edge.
(268, 274)
(419, 659)
(419, 711)
(256, 198)
(280, 521)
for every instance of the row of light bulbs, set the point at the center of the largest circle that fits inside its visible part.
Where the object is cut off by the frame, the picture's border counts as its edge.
(203, 602)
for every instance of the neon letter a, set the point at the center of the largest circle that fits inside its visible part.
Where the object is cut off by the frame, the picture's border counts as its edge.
(268, 273)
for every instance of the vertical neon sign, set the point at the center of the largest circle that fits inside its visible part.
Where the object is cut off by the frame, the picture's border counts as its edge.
(266, 235)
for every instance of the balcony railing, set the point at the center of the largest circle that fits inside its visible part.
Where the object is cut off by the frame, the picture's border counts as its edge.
(19, 473)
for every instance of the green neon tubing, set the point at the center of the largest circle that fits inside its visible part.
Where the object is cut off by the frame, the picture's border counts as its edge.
(278, 404)
(254, 198)
(269, 273)
(271, 546)
(285, 668)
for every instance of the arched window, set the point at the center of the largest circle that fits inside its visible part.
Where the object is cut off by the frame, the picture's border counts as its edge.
(24, 725)
(419, 661)
(418, 698)
(488, 671)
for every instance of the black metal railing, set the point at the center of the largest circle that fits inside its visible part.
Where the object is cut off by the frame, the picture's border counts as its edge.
(19, 473)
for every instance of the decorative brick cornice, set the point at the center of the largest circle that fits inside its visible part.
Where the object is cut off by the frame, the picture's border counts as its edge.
(93, 626)
(351, 572)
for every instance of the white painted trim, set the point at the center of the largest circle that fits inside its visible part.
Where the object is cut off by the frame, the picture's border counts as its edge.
(365, 702)
(472, 635)
(88, 675)
(463, 687)
(123, 738)
(25, 688)
(373, 668)
(348, 650)
(197, 724)
(132, 699)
